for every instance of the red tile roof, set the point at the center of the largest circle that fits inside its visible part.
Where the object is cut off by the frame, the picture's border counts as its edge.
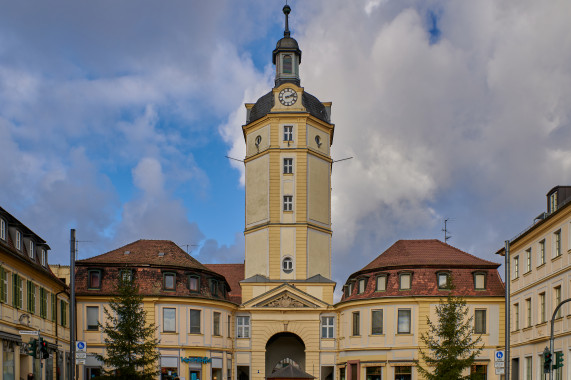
(234, 273)
(422, 253)
(143, 252)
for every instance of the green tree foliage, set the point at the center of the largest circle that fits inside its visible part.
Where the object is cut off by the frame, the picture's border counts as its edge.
(130, 344)
(450, 346)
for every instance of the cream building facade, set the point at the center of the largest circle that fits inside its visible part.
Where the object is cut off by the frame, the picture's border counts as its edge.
(540, 261)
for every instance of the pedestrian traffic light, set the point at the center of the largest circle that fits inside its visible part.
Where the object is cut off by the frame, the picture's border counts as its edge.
(547, 359)
(44, 354)
(558, 360)
(32, 347)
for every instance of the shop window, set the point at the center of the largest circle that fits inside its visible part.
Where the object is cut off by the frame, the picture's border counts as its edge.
(194, 321)
(92, 313)
(94, 279)
(404, 321)
(376, 322)
(169, 281)
(327, 372)
(243, 372)
(327, 327)
(243, 326)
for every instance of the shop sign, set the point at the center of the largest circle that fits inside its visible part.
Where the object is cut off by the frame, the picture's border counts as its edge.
(195, 359)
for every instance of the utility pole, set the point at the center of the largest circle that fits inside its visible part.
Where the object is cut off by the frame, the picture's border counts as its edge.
(551, 339)
(507, 311)
(72, 305)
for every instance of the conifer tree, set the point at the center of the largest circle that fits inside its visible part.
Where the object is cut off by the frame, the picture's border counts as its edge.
(450, 345)
(130, 344)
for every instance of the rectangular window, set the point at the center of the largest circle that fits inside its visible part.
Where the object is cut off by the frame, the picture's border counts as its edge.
(92, 313)
(528, 260)
(542, 252)
(376, 322)
(404, 280)
(216, 323)
(169, 281)
(381, 284)
(44, 257)
(480, 281)
(213, 287)
(193, 282)
(43, 303)
(553, 202)
(126, 275)
(404, 321)
(31, 293)
(288, 133)
(94, 279)
(528, 312)
(542, 317)
(516, 316)
(480, 321)
(356, 323)
(557, 290)
(243, 327)
(288, 202)
(3, 285)
(528, 368)
(2, 229)
(18, 240)
(18, 291)
(54, 307)
(287, 61)
(229, 326)
(558, 372)
(288, 165)
(194, 321)
(63, 313)
(516, 267)
(32, 250)
(403, 373)
(479, 372)
(169, 319)
(557, 244)
(327, 327)
(362, 283)
(442, 281)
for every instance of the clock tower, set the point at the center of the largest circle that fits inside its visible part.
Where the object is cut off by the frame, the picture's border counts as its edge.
(288, 134)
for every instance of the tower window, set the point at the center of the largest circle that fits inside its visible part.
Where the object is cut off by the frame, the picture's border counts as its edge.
(288, 202)
(287, 64)
(287, 265)
(288, 133)
(288, 165)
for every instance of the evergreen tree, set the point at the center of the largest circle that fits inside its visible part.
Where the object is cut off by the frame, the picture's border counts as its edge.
(130, 344)
(451, 347)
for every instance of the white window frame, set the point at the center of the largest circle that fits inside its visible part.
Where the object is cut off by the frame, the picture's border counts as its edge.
(243, 326)
(288, 165)
(89, 322)
(356, 323)
(541, 255)
(18, 240)
(190, 312)
(557, 299)
(408, 326)
(528, 311)
(444, 276)
(287, 264)
(542, 308)
(2, 229)
(327, 327)
(383, 278)
(516, 316)
(403, 275)
(288, 132)
(44, 258)
(483, 322)
(362, 286)
(216, 325)
(516, 267)
(378, 312)
(32, 252)
(528, 260)
(557, 243)
(288, 203)
(174, 321)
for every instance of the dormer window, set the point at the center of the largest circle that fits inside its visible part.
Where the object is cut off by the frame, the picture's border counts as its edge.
(44, 257)
(31, 253)
(94, 279)
(169, 281)
(18, 240)
(2, 229)
(553, 202)
(287, 64)
(193, 283)
(126, 275)
(405, 281)
(213, 287)
(362, 285)
(381, 283)
(480, 281)
(443, 280)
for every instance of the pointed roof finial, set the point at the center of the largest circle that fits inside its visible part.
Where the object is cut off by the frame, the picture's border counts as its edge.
(286, 10)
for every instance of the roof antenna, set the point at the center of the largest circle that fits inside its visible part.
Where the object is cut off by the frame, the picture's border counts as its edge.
(445, 230)
(286, 10)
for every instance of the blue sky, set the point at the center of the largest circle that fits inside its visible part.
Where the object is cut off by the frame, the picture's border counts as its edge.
(115, 118)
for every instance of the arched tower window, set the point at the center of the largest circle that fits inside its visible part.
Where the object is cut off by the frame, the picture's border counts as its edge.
(287, 64)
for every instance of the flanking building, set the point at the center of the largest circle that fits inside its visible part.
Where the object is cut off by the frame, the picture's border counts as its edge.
(32, 301)
(540, 263)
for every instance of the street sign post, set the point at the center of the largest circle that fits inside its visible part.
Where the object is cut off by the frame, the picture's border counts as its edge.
(79, 361)
(499, 364)
(500, 356)
(500, 371)
(80, 346)
(81, 355)
(29, 332)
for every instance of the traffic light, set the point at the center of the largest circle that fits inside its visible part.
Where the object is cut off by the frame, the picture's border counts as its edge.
(547, 359)
(44, 354)
(32, 347)
(558, 360)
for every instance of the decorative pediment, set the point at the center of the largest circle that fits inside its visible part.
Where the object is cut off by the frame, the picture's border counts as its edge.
(286, 300)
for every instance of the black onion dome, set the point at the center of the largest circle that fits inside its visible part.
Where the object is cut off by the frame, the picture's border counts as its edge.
(264, 105)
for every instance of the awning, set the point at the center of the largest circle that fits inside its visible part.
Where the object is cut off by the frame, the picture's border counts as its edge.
(10, 337)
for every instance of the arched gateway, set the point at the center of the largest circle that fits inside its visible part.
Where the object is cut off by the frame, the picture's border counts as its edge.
(282, 350)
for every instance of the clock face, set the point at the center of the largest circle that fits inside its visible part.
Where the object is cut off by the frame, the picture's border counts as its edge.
(287, 96)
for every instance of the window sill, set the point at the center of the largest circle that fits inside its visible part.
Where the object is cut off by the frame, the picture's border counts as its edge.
(528, 328)
(93, 288)
(243, 337)
(355, 336)
(541, 324)
(540, 265)
(405, 334)
(557, 257)
(197, 334)
(91, 330)
(515, 279)
(170, 332)
(527, 273)
(377, 335)
(331, 339)
(515, 331)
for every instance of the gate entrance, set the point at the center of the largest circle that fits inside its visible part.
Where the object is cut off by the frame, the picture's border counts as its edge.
(282, 350)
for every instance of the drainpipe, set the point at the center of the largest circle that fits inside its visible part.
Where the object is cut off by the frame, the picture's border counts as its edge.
(507, 311)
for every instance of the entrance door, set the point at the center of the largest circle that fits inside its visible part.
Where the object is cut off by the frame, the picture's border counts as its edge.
(92, 372)
(194, 374)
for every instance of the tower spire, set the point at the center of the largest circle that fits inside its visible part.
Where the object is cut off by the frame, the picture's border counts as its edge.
(287, 11)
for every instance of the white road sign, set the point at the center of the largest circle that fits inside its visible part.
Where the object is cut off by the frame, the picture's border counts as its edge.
(500, 371)
(499, 364)
(80, 355)
(80, 346)
(28, 332)
(500, 356)
(80, 361)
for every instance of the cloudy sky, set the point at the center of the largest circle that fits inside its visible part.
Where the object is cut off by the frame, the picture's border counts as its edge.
(116, 117)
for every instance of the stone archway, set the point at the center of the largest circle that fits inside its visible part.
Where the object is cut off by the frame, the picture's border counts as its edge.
(284, 349)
